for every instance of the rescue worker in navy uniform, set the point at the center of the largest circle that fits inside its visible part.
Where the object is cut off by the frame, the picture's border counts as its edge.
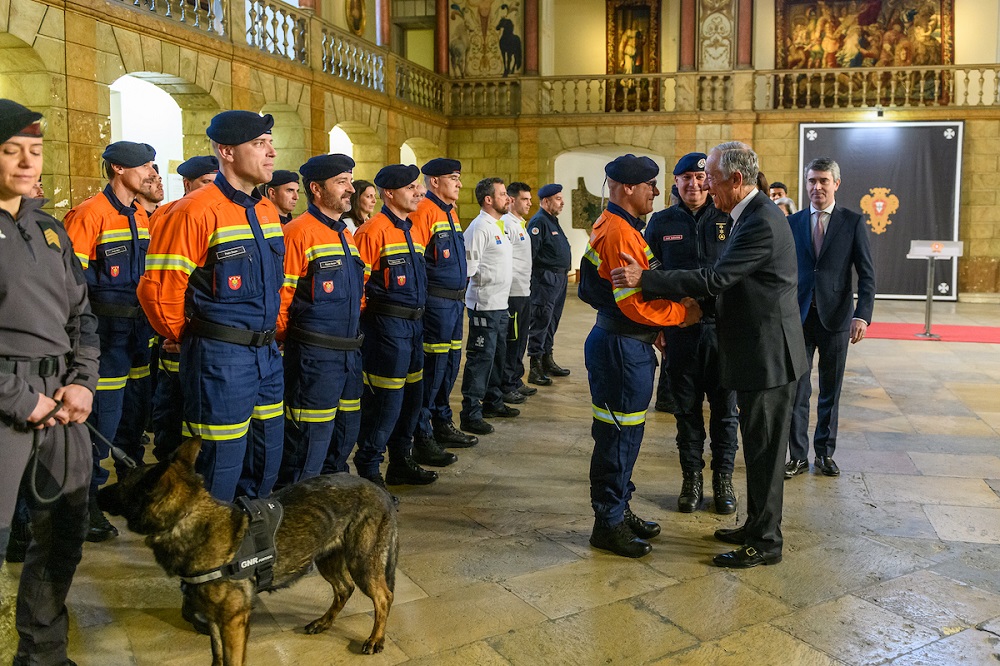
(110, 234)
(320, 324)
(446, 283)
(692, 234)
(212, 281)
(619, 354)
(283, 192)
(167, 409)
(392, 354)
(48, 374)
(551, 258)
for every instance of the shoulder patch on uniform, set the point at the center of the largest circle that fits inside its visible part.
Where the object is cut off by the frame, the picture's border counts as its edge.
(534, 231)
(52, 238)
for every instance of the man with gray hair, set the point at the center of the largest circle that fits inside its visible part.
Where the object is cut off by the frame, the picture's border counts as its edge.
(761, 351)
(829, 242)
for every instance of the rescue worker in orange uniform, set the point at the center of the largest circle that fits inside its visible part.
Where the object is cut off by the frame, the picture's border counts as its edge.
(392, 355)
(212, 281)
(619, 354)
(320, 324)
(167, 409)
(110, 234)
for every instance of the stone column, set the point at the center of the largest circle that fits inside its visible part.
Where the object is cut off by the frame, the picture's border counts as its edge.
(385, 23)
(531, 37)
(688, 34)
(744, 42)
(441, 37)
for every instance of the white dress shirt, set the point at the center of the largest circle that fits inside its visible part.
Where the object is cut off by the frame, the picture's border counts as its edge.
(491, 264)
(514, 228)
(742, 206)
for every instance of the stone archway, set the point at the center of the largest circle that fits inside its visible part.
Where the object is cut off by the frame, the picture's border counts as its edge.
(197, 108)
(422, 149)
(290, 136)
(369, 149)
(367, 128)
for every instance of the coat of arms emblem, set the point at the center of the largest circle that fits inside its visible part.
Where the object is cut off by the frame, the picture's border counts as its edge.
(879, 205)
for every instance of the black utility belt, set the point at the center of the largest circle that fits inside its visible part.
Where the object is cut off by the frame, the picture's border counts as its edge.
(47, 366)
(236, 336)
(393, 310)
(634, 331)
(325, 341)
(450, 294)
(112, 310)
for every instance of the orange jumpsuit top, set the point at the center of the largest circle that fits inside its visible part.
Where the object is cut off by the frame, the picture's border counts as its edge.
(393, 252)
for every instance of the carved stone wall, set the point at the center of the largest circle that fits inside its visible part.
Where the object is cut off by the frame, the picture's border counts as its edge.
(716, 35)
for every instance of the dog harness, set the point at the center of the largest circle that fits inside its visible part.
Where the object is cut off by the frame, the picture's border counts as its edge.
(255, 557)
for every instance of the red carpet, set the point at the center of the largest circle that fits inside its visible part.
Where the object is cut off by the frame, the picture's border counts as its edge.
(989, 334)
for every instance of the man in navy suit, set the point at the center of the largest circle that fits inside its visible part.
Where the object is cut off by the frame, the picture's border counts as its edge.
(761, 353)
(829, 241)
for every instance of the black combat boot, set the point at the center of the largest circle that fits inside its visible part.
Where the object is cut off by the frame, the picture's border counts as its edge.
(552, 368)
(619, 539)
(409, 473)
(427, 451)
(692, 492)
(722, 491)
(100, 529)
(536, 375)
(644, 529)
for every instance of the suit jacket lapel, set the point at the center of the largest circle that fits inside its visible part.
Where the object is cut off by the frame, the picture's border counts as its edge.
(833, 227)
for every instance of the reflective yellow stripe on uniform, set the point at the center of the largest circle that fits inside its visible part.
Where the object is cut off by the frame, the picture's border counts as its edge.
(310, 415)
(290, 281)
(170, 366)
(169, 262)
(111, 383)
(437, 347)
(443, 225)
(138, 372)
(619, 418)
(120, 236)
(264, 412)
(592, 256)
(392, 383)
(622, 294)
(271, 230)
(215, 433)
(350, 405)
(414, 377)
(234, 233)
(325, 250)
(456, 344)
(84, 259)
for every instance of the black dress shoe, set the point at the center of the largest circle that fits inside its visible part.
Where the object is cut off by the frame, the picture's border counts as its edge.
(551, 368)
(526, 390)
(744, 558)
(427, 451)
(447, 435)
(514, 398)
(409, 473)
(478, 426)
(500, 412)
(794, 467)
(620, 540)
(644, 529)
(826, 465)
(734, 535)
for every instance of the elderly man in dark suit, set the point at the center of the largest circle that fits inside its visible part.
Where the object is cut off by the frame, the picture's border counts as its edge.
(829, 241)
(762, 354)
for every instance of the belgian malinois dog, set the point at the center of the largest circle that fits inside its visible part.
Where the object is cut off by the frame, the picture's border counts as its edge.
(343, 524)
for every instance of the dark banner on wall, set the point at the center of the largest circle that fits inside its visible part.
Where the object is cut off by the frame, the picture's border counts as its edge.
(904, 178)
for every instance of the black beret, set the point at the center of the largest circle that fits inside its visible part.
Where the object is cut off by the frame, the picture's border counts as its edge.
(631, 170)
(322, 167)
(441, 166)
(196, 167)
(690, 162)
(281, 177)
(14, 118)
(129, 154)
(232, 128)
(395, 176)
(546, 191)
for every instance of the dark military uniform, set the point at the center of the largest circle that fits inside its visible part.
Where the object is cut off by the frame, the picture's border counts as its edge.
(551, 258)
(681, 239)
(48, 339)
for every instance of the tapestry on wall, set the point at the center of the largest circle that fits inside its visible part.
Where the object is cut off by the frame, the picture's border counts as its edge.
(633, 49)
(484, 38)
(836, 34)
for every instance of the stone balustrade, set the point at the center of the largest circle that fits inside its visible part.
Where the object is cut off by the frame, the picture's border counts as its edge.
(278, 29)
(205, 15)
(416, 85)
(353, 60)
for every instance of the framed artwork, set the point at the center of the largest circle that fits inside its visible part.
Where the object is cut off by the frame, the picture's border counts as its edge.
(633, 49)
(356, 15)
(839, 34)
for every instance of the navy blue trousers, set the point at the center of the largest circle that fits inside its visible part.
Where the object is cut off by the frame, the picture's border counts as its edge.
(548, 296)
(442, 358)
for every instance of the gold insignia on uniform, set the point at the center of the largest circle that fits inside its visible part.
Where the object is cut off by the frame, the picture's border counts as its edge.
(879, 205)
(52, 238)
(721, 228)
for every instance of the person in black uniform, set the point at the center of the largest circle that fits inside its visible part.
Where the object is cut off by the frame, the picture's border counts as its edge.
(692, 234)
(48, 374)
(551, 258)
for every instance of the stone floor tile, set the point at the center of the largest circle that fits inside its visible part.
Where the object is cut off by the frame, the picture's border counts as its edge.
(934, 601)
(860, 517)
(931, 490)
(619, 633)
(970, 647)
(459, 616)
(570, 588)
(962, 523)
(962, 465)
(856, 631)
(898, 441)
(478, 653)
(977, 566)
(767, 644)
(959, 426)
(713, 606)
(880, 462)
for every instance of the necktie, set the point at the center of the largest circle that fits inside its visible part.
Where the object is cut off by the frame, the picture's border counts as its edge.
(818, 233)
